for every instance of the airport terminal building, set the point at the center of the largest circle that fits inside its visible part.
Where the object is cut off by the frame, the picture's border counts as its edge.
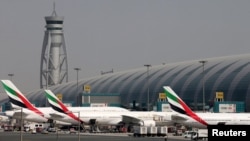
(228, 75)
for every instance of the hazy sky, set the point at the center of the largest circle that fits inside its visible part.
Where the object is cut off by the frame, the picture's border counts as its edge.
(120, 34)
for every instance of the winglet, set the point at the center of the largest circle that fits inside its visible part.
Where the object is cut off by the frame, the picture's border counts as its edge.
(17, 98)
(178, 105)
(57, 105)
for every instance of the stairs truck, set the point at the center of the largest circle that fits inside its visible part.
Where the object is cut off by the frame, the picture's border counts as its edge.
(200, 134)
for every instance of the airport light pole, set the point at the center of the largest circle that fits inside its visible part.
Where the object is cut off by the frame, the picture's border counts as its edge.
(79, 123)
(79, 126)
(147, 65)
(203, 62)
(21, 126)
(77, 70)
(10, 75)
(47, 81)
(57, 133)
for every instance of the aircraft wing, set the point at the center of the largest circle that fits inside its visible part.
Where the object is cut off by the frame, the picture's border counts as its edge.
(137, 121)
(130, 119)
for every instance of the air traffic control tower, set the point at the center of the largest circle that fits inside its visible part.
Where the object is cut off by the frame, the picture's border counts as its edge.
(54, 66)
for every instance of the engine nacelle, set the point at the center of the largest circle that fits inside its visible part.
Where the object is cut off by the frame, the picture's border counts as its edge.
(92, 121)
(147, 123)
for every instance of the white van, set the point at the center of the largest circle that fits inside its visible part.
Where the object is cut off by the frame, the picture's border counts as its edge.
(188, 134)
(200, 134)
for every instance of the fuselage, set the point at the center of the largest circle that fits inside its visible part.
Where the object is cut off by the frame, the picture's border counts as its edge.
(101, 116)
(218, 118)
(29, 115)
(117, 117)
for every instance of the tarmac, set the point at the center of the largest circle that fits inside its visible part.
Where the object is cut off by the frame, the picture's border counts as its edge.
(24, 136)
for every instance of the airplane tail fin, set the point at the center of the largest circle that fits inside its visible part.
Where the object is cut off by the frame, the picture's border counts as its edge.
(179, 106)
(58, 106)
(17, 98)
(55, 103)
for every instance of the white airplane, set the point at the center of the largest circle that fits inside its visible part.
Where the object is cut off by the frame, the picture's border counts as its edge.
(187, 117)
(29, 112)
(23, 108)
(107, 118)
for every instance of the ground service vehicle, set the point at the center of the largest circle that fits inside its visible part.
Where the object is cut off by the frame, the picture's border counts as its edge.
(140, 131)
(152, 131)
(188, 134)
(200, 134)
(162, 131)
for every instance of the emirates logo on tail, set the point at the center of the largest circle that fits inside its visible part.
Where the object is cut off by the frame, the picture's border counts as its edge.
(17, 98)
(179, 106)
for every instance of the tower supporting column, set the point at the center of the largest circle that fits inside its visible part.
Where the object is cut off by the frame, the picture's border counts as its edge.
(54, 66)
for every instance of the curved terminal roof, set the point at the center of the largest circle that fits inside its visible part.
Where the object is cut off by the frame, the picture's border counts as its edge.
(228, 74)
